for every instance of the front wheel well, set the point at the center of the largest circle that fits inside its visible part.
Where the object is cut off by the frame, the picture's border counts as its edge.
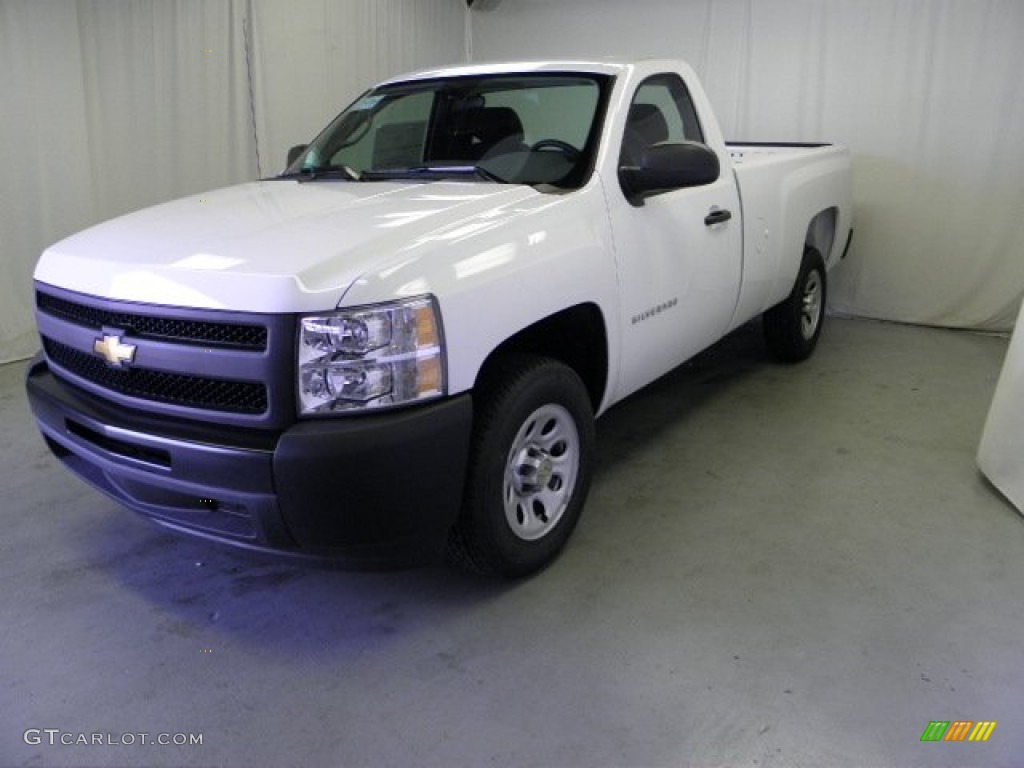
(575, 336)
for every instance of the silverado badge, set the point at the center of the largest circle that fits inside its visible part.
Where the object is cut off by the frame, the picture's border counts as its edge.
(113, 351)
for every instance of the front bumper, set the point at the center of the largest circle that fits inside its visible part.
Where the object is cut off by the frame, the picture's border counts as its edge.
(367, 491)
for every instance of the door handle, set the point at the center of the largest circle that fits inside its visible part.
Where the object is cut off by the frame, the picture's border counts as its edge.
(719, 216)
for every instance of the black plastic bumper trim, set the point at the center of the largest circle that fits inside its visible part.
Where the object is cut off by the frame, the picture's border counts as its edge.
(366, 491)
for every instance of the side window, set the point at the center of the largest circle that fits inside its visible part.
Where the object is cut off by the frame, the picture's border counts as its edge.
(661, 110)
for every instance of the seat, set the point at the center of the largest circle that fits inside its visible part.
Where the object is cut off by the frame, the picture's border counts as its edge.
(493, 130)
(645, 127)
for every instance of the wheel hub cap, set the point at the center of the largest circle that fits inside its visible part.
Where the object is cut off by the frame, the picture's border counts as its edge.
(810, 308)
(540, 473)
(533, 471)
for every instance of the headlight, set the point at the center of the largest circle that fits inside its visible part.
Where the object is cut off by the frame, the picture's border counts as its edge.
(371, 357)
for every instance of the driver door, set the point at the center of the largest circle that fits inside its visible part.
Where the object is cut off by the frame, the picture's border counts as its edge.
(679, 270)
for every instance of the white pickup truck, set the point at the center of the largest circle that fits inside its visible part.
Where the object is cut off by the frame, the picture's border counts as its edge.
(398, 346)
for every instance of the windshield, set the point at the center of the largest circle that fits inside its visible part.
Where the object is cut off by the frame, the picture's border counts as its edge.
(539, 129)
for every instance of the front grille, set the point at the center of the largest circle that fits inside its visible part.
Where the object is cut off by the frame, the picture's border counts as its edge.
(172, 388)
(212, 365)
(237, 335)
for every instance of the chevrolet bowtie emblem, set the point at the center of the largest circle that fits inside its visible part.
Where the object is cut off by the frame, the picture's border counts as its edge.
(113, 351)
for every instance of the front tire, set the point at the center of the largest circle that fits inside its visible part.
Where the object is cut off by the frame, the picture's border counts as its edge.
(530, 464)
(792, 327)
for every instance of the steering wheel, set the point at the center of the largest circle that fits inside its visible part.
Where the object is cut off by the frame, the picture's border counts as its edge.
(571, 153)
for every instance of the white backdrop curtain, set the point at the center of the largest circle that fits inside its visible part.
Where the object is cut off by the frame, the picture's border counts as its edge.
(928, 95)
(1001, 453)
(107, 106)
(45, 168)
(110, 105)
(313, 57)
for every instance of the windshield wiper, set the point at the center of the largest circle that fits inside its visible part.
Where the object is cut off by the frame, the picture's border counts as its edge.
(324, 172)
(433, 172)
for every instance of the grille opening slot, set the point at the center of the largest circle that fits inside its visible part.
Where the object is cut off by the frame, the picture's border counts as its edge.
(175, 388)
(200, 332)
(224, 507)
(177, 508)
(58, 450)
(119, 447)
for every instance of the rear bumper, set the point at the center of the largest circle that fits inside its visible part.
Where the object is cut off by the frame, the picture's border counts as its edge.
(368, 491)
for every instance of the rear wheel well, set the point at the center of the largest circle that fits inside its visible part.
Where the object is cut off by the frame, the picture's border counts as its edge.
(821, 232)
(576, 337)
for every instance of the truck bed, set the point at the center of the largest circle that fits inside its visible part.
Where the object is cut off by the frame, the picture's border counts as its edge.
(782, 186)
(753, 151)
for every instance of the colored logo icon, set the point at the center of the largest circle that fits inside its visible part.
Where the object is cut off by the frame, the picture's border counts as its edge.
(958, 730)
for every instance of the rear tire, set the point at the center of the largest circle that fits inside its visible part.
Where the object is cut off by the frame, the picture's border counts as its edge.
(792, 327)
(529, 472)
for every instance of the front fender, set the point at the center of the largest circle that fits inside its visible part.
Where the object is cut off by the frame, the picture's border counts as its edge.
(502, 271)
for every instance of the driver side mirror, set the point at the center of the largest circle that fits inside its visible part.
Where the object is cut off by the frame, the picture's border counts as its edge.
(295, 152)
(668, 166)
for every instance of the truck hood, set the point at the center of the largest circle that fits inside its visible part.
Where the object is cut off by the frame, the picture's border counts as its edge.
(269, 246)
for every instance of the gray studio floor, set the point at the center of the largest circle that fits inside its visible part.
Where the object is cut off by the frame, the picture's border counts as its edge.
(778, 566)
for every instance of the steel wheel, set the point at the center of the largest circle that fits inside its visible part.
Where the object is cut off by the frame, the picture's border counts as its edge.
(531, 459)
(540, 473)
(811, 305)
(792, 327)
